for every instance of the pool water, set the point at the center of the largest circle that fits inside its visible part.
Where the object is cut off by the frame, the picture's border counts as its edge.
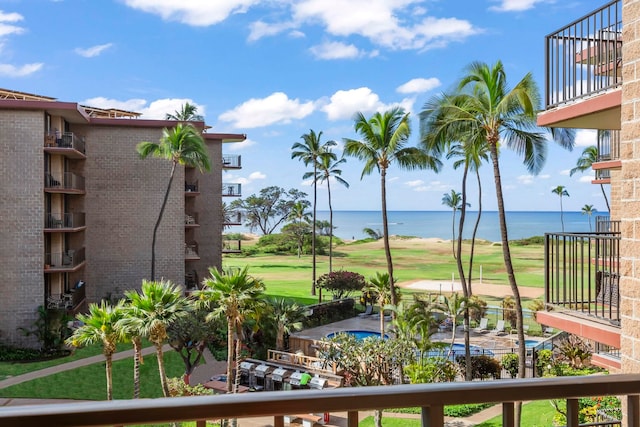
(360, 335)
(529, 343)
(458, 350)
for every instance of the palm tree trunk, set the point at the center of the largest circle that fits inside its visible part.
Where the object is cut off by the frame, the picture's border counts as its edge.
(475, 231)
(561, 214)
(108, 371)
(137, 360)
(313, 235)
(230, 353)
(382, 319)
(385, 229)
(606, 200)
(161, 370)
(453, 233)
(155, 228)
(330, 229)
(463, 213)
(510, 274)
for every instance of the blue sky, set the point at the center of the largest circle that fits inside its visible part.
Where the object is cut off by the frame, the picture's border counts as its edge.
(274, 69)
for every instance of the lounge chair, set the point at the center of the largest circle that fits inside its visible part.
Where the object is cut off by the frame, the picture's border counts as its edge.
(483, 326)
(499, 329)
(547, 332)
(367, 312)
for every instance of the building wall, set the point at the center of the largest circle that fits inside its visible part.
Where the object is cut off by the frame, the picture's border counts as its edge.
(21, 221)
(629, 195)
(123, 200)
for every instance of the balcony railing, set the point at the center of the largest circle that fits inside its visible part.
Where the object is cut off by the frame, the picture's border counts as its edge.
(602, 174)
(66, 260)
(606, 225)
(231, 246)
(608, 145)
(232, 161)
(191, 187)
(585, 57)
(66, 182)
(231, 189)
(191, 250)
(65, 221)
(191, 220)
(69, 300)
(232, 218)
(65, 140)
(582, 274)
(431, 398)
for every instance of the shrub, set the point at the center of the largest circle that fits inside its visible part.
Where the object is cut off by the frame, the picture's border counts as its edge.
(482, 367)
(434, 370)
(544, 361)
(509, 311)
(177, 387)
(510, 363)
(341, 283)
(575, 352)
(478, 308)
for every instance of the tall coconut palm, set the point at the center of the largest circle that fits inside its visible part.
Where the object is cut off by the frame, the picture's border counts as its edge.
(100, 325)
(483, 106)
(384, 142)
(453, 201)
(150, 311)
(187, 113)
(182, 145)
(588, 210)
(308, 152)
(233, 295)
(561, 192)
(588, 157)
(380, 286)
(133, 334)
(287, 316)
(328, 166)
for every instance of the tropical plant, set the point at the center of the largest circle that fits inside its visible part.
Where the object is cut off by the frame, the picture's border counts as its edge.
(150, 312)
(574, 351)
(453, 201)
(182, 145)
(100, 325)
(50, 329)
(510, 364)
(299, 216)
(380, 286)
(373, 234)
(188, 112)
(561, 192)
(287, 317)
(588, 210)
(508, 305)
(484, 107)
(308, 152)
(328, 166)
(234, 296)
(384, 139)
(588, 157)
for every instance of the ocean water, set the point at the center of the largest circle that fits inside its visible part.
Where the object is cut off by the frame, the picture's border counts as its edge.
(349, 224)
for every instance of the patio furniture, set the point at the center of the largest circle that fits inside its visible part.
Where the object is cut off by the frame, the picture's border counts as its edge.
(499, 329)
(483, 326)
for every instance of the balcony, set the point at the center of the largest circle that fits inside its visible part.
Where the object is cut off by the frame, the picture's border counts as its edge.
(64, 262)
(232, 162)
(344, 404)
(231, 246)
(583, 62)
(605, 225)
(191, 251)
(61, 223)
(232, 218)
(191, 188)
(608, 145)
(68, 183)
(191, 220)
(68, 144)
(231, 190)
(70, 300)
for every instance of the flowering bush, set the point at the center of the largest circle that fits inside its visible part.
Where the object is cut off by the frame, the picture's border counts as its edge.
(591, 410)
(341, 283)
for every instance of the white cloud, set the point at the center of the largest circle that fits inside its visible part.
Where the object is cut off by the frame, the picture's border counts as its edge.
(261, 29)
(157, 109)
(587, 178)
(257, 175)
(9, 70)
(336, 50)
(544, 176)
(90, 52)
(419, 85)
(192, 12)
(240, 146)
(253, 176)
(526, 179)
(565, 172)
(516, 5)
(343, 104)
(415, 183)
(421, 186)
(276, 108)
(586, 137)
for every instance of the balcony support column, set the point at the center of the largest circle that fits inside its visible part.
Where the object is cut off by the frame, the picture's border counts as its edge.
(432, 416)
(508, 414)
(572, 413)
(352, 419)
(633, 411)
(278, 421)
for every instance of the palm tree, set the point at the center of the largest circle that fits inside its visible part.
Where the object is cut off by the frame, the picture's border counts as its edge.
(234, 295)
(384, 140)
(187, 113)
(588, 157)
(453, 200)
(588, 210)
(182, 145)
(380, 286)
(483, 107)
(100, 326)
(328, 166)
(287, 316)
(561, 191)
(150, 312)
(308, 152)
(133, 333)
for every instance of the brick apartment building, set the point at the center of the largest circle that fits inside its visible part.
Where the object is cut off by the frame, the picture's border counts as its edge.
(78, 206)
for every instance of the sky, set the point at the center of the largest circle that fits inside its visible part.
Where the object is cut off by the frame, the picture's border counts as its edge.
(275, 69)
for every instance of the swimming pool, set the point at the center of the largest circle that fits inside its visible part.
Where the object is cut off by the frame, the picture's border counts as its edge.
(360, 335)
(529, 343)
(458, 350)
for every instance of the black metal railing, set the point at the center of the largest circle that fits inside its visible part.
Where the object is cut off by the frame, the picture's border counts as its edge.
(191, 219)
(64, 260)
(231, 189)
(232, 161)
(608, 145)
(431, 398)
(229, 246)
(602, 174)
(191, 187)
(191, 250)
(65, 140)
(65, 181)
(232, 218)
(582, 274)
(584, 58)
(604, 224)
(66, 220)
